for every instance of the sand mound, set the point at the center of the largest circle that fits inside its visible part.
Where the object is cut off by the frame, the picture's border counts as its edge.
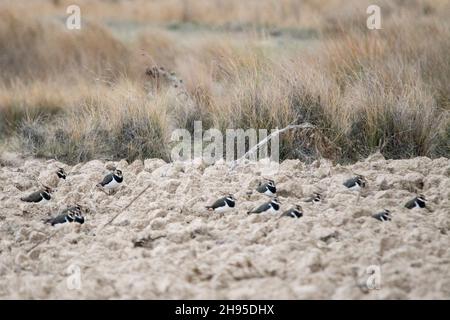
(166, 245)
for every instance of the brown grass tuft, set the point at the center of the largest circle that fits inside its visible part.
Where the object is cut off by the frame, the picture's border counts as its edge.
(117, 90)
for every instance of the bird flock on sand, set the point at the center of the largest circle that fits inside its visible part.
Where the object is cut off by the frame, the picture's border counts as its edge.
(114, 179)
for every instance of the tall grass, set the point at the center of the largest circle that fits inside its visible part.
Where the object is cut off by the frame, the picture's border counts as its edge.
(117, 126)
(88, 94)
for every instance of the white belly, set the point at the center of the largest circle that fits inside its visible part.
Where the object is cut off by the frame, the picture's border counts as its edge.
(112, 185)
(271, 210)
(226, 208)
(356, 187)
(269, 193)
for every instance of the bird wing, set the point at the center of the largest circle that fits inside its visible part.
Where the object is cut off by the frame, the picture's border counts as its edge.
(286, 213)
(106, 180)
(350, 182)
(377, 216)
(34, 197)
(58, 219)
(219, 203)
(262, 188)
(411, 204)
(261, 208)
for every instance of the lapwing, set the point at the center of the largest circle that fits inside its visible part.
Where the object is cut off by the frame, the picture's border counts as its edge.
(268, 188)
(71, 214)
(272, 206)
(314, 198)
(384, 215)
(61, 173)
(295, 212)
(223, 204)
(417, 202)
(355, 183)
(41, 196)
(112, 180)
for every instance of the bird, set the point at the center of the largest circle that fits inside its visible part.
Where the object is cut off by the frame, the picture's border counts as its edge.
(71, 214)
(384, 215)
(40, 196)
(61, 173)
(314, 198)
(271, 206)
(112, 180)
(223, 204)
(417, 202)
(355, 183)
(268, 188)
(294, 212)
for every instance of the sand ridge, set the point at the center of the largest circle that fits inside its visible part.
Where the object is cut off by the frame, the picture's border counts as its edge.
(167, 245)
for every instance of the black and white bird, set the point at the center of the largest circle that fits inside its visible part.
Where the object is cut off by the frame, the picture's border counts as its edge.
(268, 188)
(112, 180)
(41, 196)
(417, 202)
(314, 198)
(355, 183)
(61, 173)
(384, 215)
(295, 212)
(71, 214)
(223, 204)
(272, 206)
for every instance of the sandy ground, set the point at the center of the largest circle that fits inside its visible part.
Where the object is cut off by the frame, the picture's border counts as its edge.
(166, 245)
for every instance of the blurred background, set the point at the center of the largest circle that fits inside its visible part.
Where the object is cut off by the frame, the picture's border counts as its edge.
(136, 70)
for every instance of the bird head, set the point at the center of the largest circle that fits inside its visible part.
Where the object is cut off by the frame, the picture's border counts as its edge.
(61, 173)
(76, 208)
(118, 173)
(78, 217)
(71, 216)
(361, 180)
(83, 208)
(276, 201)
(421, 197)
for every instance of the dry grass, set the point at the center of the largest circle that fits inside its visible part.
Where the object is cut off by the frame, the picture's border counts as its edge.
(104, 125)
(90, 94)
